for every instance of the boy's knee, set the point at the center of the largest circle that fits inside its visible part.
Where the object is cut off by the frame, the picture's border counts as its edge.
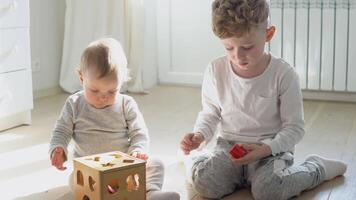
(267, 188)
(204, 182)
(210, 176)
(207, 189)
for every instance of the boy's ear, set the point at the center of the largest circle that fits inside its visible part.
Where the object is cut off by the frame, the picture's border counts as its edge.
(270, 32)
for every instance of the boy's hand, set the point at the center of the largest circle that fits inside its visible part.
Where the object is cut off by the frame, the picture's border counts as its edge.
(190, 142)
(254, 152)
(141, 156)
(58, 158)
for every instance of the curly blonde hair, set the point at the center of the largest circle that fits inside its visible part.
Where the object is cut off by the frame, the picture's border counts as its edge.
(237, 17)
(106, 56)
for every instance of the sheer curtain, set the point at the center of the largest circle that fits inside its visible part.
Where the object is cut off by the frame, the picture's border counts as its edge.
(88, 20)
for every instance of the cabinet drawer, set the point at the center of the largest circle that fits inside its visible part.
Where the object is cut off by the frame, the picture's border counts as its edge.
(14, 13)
(14, 49)
(15, 92)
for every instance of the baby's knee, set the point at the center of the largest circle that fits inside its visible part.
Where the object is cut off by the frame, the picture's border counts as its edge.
(155, 163)
(71, 182)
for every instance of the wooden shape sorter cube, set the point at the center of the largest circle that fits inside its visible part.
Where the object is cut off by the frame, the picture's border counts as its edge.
(109, 176)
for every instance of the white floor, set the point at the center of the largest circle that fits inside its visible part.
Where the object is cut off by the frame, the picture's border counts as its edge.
(26, 173)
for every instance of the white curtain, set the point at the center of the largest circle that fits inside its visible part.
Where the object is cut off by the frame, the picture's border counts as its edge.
(88, 20)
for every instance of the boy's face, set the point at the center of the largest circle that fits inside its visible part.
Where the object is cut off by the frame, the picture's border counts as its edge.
(99, 92)
(246, 52)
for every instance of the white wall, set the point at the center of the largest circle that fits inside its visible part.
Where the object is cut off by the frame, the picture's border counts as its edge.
(46, 32)
(150, 68)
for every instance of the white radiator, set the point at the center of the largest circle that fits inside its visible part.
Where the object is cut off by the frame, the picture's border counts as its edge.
(317, 37)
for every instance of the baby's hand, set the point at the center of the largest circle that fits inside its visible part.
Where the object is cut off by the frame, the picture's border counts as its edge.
(190, 142)
(141, 156)
(254, 152)
(58, 158)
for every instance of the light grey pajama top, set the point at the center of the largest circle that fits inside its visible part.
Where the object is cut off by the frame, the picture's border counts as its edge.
(264, 109)
(117, 127)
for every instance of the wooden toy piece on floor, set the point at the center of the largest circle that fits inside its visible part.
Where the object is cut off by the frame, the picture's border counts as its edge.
(109, 176)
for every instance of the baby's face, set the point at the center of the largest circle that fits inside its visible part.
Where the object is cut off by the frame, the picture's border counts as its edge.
(245, 52)
(100, 92)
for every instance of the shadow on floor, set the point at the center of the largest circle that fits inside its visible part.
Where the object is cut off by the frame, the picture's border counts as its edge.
(58, 193)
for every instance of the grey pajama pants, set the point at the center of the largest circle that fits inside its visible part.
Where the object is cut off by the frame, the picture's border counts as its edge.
(273, 177)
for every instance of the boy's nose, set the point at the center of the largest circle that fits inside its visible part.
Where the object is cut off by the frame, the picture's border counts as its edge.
(240, 55)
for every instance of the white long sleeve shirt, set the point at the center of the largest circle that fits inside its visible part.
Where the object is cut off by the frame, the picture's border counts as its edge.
(119, 127)
(264, 109)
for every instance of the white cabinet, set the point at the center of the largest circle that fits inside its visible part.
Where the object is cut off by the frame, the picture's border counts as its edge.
(16, 99)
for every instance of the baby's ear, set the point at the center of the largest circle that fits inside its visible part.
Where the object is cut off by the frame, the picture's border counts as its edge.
(270, 33)
(80, 77)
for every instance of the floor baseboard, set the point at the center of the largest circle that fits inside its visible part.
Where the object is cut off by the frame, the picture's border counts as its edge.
(329, 96)
(37, 94)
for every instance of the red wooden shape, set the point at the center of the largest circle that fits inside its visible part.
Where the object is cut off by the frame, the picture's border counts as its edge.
(238, 151)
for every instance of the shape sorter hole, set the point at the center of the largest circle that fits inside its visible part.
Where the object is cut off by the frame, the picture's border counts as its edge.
(128, 161)
(80, 179)
(109, 164)
(117, 156)
(113, 186)
(133, 182)
(86, 197)
(96, 159)
(137, 180)
(92, 184)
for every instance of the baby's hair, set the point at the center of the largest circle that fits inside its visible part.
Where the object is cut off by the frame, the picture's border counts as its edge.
(106, 56)
(238, 17)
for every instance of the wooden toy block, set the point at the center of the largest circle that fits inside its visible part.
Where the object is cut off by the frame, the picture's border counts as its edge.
(109, 176)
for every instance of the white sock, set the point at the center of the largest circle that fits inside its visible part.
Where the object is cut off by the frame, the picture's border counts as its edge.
(160, 195)
(333, 168)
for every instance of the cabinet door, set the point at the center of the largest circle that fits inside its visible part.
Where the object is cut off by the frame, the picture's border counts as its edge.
(14, 49)
(15, 92)
(186, 43)
(14, 13)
